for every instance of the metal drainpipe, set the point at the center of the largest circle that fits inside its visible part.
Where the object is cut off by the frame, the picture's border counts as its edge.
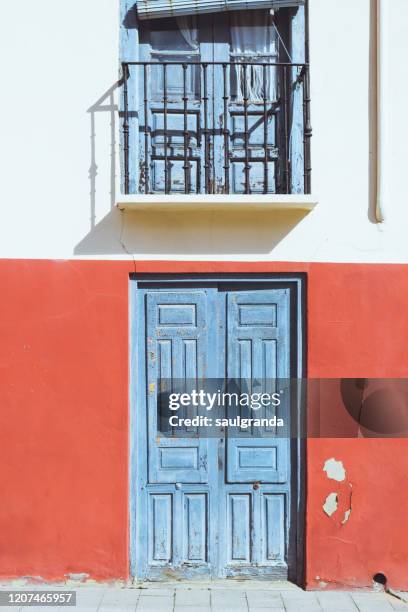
(382, 109)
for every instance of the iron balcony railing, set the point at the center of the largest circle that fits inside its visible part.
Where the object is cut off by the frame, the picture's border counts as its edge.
(216, 127)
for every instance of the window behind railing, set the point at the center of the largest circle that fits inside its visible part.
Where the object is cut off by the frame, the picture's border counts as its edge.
(216, 109)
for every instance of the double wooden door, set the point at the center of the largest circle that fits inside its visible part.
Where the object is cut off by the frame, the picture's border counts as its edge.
(202, 506)
(209, 120)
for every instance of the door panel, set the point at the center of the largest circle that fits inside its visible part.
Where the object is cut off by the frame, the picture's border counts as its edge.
(239, 527)
(273, 528)
(258, 351)
(170, 105)
(161, 516)
(252, 121)
(195, 527)
(177, 350)
(180, 535)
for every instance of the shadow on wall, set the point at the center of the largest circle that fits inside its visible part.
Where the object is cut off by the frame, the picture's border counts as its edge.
(105, 104)
(189, 233)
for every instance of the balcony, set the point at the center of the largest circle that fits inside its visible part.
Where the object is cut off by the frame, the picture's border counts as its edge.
(238, 128)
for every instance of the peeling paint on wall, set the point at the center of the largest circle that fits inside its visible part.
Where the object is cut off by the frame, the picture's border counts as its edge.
(346, 516)
(335, 470)
(78, 577)
(331, 504)
(347, 513)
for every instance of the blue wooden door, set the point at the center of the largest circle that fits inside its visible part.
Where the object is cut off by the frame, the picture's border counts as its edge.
(177, 333)
(211, 507)
(209, 128)
(176, 489)
(246, 103)
(173, 115)
(258, 353)
(257, 475)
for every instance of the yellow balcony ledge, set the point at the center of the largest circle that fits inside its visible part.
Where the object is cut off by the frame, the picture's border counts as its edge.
(202, 202)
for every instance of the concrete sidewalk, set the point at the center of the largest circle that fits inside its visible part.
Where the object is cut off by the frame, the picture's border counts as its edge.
(217, 597)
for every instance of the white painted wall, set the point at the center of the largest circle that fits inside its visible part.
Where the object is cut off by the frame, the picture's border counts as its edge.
(59, 58)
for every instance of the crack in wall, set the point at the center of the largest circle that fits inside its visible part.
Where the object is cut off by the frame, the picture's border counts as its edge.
(122, 241)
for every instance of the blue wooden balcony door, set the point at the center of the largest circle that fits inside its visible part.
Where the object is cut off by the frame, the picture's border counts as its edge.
(246, 156)
(209, 128)
(210, 507)
(172, 110)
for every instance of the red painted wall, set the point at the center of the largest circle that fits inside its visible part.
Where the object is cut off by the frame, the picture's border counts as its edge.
(64, 418)
(358, 328)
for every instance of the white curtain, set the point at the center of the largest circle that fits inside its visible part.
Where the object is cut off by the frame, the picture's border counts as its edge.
(189, 31)
(254, 38)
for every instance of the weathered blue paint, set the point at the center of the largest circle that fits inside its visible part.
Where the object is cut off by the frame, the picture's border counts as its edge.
(298, 53)
(238, 128)
(175, 495)
(257, 476)
(191, 515)
(177, 327)
(214, 45)
(258, 350)
(153, 49)
(129, 52)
